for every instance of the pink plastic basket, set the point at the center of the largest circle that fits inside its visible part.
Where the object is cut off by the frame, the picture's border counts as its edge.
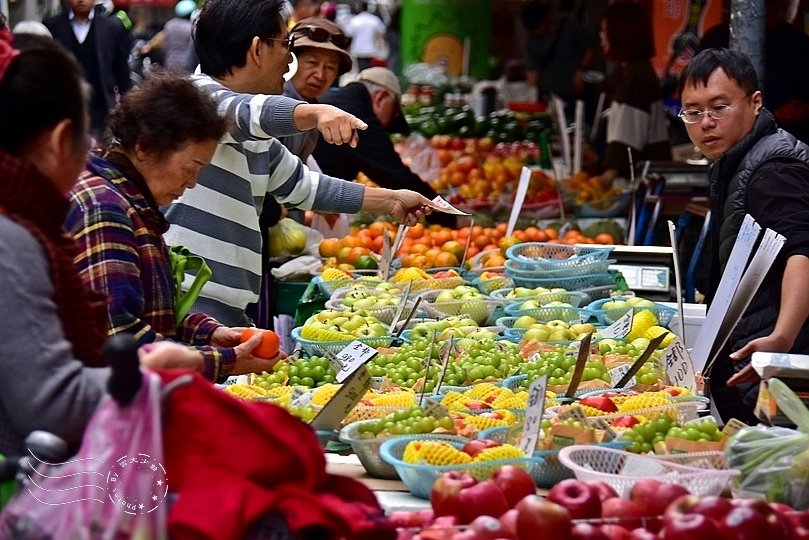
(621, 470)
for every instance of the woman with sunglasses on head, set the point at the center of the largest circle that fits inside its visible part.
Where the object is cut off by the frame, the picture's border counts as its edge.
(636, 119)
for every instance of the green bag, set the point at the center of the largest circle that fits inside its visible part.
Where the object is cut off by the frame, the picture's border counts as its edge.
(182, 259)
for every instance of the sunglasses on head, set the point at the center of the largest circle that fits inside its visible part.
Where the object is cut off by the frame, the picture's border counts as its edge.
(321, 35)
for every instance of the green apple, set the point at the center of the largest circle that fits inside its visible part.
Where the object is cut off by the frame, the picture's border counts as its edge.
(452, 331)
(560, 334)
(606, 345)
(556, 323)
(640, 343)
(524, 322)
(466, 343)
(466, 321)
(446, 295)
(482, 334)
(644, 304)
(529, 304)
(582, 328)
(521, 292)
(420, 331)
(616, 305)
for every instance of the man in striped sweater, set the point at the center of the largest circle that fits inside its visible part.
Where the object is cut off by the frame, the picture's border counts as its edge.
(243, 46)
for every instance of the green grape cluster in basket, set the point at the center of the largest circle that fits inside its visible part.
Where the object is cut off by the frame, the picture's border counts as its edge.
(412, 421)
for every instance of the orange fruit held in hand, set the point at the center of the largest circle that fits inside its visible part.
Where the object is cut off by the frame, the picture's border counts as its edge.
(268, 348)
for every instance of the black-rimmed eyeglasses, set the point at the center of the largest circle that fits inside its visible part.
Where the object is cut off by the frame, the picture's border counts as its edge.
(321, 35)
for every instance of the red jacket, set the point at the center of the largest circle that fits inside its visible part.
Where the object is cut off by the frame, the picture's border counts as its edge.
(231, 462)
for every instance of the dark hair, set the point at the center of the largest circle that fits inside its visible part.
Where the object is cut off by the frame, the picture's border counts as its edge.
(43, 86)
(629, 32)
(736, 66)
(163, 114)
(534, 13)
(226, 28)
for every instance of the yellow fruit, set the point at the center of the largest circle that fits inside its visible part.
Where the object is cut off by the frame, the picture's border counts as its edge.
(655, 331)
(323, 394)
(642, 321)
(504, 451)
(246, 391)
(434, 453)
(394, 399)
(333, 274)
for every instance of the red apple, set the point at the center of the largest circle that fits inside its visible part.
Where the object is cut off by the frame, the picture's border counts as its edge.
(515, 482)
(482, 499)
(644, 493)
(642, 534)
(601, 403)
(712, 507)
(487, 527)
(627, 513)
(749, 523)
(585, 531)
(537, 516)
(605, 491)
(615, 532)
(667, 494)
(445, 490)
(690, 527)
(475, 446)
(405, 519)
(580, 499)
(626, 422)
(509, 522)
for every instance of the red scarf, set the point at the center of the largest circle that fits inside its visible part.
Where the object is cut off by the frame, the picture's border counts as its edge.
(28, 198)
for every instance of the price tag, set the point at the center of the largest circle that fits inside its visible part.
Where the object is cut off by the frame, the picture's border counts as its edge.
(446, 351)
(679, 366)
(435, 409)
(387, 256)
(351, 358)
(443, 206)
(535, 357)
(617, 373)
(533, 415)
(237, 379)
(620, 328)
(343, 401)
(733, 426)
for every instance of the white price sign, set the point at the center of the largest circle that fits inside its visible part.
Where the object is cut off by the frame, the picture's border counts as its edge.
(620, 328)
(343, 401)
(617, 373)
(351, 358)
(679, 366)
(533, 415)
(237, 379)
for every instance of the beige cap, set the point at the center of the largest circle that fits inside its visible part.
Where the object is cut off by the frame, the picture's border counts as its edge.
(383, 77)
(306, 32)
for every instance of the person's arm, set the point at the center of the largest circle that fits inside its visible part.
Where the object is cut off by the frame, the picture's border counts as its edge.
(43, 385)
(260, 116)
(778, 198)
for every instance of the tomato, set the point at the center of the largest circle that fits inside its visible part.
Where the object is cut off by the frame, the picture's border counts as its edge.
(268, 348)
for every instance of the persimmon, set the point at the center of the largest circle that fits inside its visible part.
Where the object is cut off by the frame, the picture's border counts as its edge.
(416, 231)
(604, 238)
(268, 348)
(328, 247)
(350, 241)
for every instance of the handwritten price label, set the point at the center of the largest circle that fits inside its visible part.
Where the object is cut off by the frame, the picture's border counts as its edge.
(351, 358)
(679, 366)
(344, 400)
(533, 416)
(620, 328)
(444, 206)
(617, 373)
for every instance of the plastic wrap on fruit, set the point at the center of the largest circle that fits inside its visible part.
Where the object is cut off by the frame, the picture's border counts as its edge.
(287, 237)
(774, 461)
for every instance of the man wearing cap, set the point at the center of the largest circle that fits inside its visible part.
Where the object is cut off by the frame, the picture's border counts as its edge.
(373, 97)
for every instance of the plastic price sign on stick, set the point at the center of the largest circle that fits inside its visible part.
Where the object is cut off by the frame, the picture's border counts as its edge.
(446, 351)
(561, 123)
(632, 206)
(679, 366)
(443, 206)
(620, 328)
(435, 409)
(387, 256)
(739, 255)
(578, 134)
(519, 199)
(351, 358)
(654, 344)
(678, 287)
(343, 401)
(581, 361)
(533, 415)
(617, 373)
(468, 243)
(760, 264)
(400, 308)
(428, 360)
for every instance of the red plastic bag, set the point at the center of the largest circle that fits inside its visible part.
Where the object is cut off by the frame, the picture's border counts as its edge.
(114, 488)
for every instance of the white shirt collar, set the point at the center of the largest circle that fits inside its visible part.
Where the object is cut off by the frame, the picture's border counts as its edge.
(90, 17)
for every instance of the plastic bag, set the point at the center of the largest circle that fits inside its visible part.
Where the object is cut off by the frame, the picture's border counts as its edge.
(114, 488)
(774, 461)
(287, 238)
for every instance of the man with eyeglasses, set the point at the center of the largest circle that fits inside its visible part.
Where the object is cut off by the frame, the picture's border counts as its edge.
(374, 96)
(243, 47)
(761, 170)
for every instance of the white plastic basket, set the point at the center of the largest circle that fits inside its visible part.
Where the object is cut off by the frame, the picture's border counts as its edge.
(621, 470)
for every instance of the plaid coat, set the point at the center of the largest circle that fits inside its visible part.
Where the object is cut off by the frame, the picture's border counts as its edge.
(122, 253)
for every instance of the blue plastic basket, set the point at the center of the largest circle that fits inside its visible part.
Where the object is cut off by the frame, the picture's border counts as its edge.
(319, 348)
(574, 298)
(574, 283)
(600, 266)
(419, 478)
(606, 317)
(550, 313)
(554, 257)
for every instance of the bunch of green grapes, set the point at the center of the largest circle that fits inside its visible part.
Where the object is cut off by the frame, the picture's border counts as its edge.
(559, 365)
(412, 421)
(643, 437)
(305, 413)
(278, 377)
(312, 372)
(705, 430)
